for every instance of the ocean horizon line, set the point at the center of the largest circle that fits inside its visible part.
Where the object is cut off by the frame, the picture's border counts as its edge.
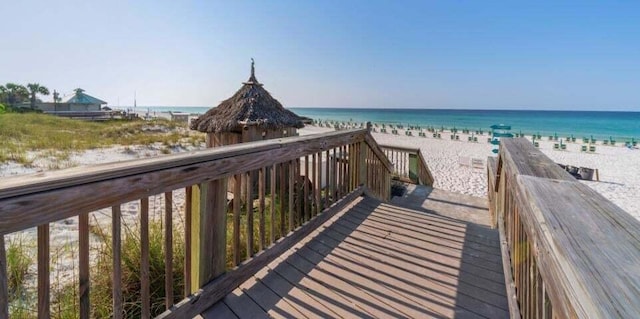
(395, 108)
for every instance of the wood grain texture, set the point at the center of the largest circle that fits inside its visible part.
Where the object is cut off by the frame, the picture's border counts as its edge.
(354, 266)
(4, 278)
(262, 175)
(43, 272)
(223, 285)
(83, 266)
(272, 204)
(145, 295)
(168, 249)
(187, 240)
(116, 246)
(292, 213)
(45, 181)
(521, 158)
(573, 253)
(249, 224)
(237, 203)
(588, 248)
(53, 196)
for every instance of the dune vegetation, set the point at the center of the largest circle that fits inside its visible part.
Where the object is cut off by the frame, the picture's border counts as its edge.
(22, 133)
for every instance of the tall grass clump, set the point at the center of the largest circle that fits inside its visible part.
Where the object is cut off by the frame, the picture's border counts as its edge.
(101, 285)
(18, 262)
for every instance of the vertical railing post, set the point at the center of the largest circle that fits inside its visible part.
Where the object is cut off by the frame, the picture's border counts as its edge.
(362, 159)
(208, 229)
(4, 277)
(208, 232)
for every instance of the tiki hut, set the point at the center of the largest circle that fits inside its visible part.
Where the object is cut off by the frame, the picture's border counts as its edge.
(251, 114)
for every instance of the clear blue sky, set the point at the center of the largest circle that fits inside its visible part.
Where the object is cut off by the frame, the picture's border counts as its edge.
(423, 54)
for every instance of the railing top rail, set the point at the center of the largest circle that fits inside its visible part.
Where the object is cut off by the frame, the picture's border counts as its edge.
(400, 148)
(41, 198)
(524, 159)
(45, 181)
(587, 248)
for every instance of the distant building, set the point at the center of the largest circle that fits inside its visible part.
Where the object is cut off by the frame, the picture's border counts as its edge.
(78, 102)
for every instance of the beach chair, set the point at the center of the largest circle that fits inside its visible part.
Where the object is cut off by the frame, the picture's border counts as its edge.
(592, 148)
(469, 138)
(536, 144)
(585, 140)
(583, 148)
(453, 136)
(612, 142)
(605, 142)
(550, 137)
(563, 146)
(556, 146)
(439, 136)
(457, 137)
(475, 139)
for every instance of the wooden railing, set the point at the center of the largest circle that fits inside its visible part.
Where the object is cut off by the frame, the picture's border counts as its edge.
(291, 186)
(571, 252)
(409, 165)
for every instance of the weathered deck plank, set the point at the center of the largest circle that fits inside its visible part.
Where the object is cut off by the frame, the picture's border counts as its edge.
(381, 260)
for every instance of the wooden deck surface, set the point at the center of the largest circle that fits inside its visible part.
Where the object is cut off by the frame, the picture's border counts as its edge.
(380, 260)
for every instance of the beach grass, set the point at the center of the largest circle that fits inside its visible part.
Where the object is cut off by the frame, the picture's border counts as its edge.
(33, 132)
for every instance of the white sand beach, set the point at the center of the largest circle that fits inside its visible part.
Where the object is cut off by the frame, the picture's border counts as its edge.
(447, 159)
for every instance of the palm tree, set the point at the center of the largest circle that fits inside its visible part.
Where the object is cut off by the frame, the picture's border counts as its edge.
(15, 93)
(3, 94)
(36, 88)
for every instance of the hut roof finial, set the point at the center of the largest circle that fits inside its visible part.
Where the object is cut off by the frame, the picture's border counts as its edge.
(253, 69)
(252, 79)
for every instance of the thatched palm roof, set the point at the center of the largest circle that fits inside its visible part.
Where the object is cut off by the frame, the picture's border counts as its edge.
(251, 105)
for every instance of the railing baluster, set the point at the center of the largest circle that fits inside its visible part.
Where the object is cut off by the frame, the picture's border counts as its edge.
(83, 265)
(249, 215)
(306, 188)
(291, 193)
(43, 272)
(314, 181)
(299, 203)
(4, 279)
(237, 203)
(327, 197)
(281, 168)
(117, 263)
(318, 183)
(336, 186)
(261, 191)
(187, 241)
(168, 249)
(144, 258)
(272, 190)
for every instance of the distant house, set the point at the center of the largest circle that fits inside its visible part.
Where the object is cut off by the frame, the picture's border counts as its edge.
(78, 102)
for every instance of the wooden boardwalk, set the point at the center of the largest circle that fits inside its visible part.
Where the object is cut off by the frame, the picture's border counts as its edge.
(380, 260)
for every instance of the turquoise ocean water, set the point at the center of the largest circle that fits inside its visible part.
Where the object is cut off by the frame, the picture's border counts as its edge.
(600, 124)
